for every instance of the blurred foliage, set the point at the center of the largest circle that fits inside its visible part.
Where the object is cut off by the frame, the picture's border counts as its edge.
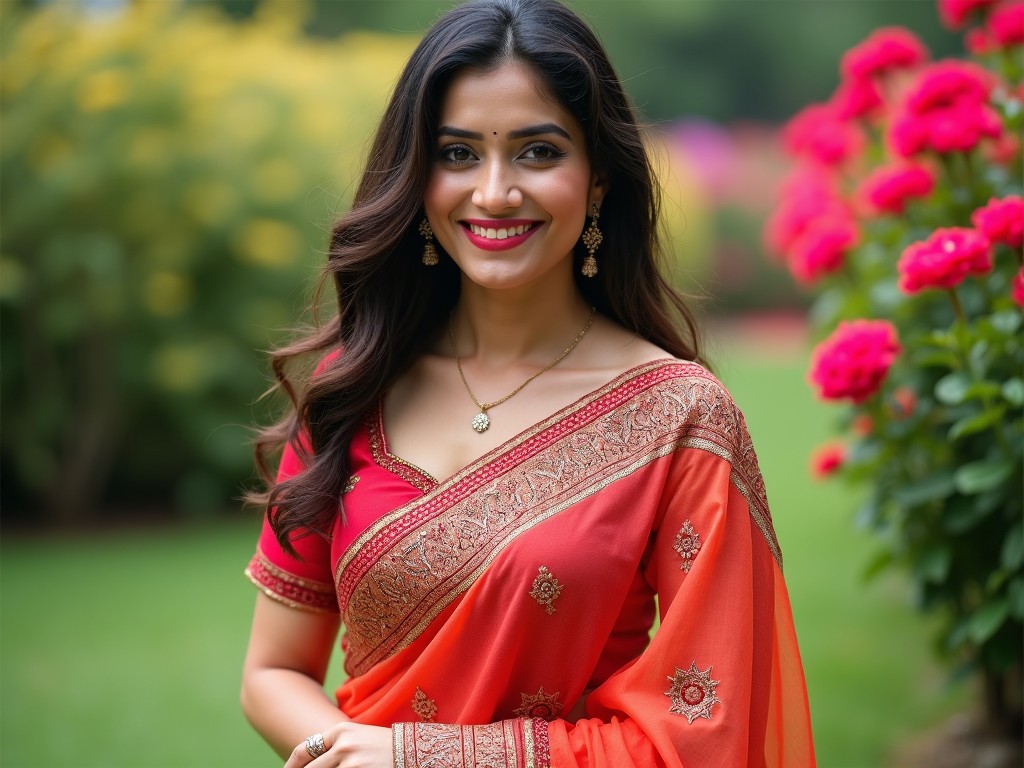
(723, 60)
(168, 177)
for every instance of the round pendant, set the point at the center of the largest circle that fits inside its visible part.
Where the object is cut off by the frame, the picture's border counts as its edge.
(480, 422)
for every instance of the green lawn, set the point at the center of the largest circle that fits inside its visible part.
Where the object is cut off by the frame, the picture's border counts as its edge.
(124, 650)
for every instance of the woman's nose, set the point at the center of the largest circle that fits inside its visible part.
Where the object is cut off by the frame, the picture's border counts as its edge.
(496, 189)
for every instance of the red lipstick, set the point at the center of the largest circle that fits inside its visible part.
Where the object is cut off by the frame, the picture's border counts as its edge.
(493, 228)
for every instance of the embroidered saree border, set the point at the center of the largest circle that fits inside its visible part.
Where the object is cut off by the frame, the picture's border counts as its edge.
(397, 577)
(506, 744)
(287, 588)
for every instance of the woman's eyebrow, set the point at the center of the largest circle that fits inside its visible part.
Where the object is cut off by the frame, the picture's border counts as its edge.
(519, 133)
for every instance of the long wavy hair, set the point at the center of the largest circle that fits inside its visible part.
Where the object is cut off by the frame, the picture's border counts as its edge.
(390, 306)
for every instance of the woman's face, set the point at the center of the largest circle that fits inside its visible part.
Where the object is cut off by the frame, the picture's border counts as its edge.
(511, 184)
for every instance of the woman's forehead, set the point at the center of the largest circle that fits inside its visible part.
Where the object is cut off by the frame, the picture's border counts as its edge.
(505, 98)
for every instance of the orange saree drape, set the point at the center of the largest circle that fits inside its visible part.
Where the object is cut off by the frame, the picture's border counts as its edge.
(501, 617)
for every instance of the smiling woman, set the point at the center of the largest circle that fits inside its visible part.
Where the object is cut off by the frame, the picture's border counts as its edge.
(496, 575)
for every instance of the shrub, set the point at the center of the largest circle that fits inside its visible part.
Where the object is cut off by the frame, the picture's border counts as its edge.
(168, 176)
(925, 303)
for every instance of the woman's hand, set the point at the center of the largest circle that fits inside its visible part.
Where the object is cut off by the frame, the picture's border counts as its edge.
(348, 745)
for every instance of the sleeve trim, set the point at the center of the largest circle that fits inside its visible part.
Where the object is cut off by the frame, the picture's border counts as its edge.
(290, 589)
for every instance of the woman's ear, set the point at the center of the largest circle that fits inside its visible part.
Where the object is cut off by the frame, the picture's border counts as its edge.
(598, 188)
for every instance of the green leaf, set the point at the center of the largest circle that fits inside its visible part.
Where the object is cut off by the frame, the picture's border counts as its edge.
(878, 563)
(933, 565)
(952, 388)
(962, 513)
(1007, 321)
(983, 475)
(979, 390)
(976, 423)
(1013, 391)
(1015, 596)
(1012, 554)
(987, 620)
(937, 486)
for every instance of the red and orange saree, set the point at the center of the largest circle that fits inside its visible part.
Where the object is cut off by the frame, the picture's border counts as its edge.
(501, 617)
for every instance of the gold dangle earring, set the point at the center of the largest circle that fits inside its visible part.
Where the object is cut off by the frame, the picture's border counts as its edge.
(429, 250)
(592, 238)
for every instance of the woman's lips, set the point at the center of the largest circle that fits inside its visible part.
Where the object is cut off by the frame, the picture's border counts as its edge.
(499, 234)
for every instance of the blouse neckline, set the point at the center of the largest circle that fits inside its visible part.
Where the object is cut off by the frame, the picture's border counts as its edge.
(425, 482)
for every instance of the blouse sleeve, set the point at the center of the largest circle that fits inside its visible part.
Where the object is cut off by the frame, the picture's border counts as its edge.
(303, 582)
(721, 684)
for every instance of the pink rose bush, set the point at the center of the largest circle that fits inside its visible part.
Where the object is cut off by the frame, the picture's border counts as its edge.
(944, 259)
(947, 109)
(853, 362)
(888, 188)
(905, 212)
(884, 51)
(1002, 221)
(828, 459)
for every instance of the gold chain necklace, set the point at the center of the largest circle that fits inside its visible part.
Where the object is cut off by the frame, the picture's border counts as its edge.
(481, 421)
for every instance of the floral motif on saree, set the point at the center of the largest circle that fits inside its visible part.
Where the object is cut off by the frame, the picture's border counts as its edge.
(540, 704)
(687, 545)
(692, 693)
(546, 589)
(415, 561)
(424, 707)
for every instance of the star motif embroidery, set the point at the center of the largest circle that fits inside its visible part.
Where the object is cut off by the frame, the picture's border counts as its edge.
(692, 693)
(543, 705)
(687, 545)
(424, 707)
(546, 589)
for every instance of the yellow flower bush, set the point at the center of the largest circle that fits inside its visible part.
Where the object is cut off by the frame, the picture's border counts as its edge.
(168, 178)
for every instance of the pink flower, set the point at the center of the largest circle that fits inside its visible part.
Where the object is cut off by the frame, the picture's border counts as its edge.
(1006, 24)
(1017, 288)
(854, 361)
(883, 50)
(1003, 151)
(888, 188)
(807, 194)
(954, 13)
(904, 403)
(946, 110)
(944, 259)
(821, 249)
(827, 459)
(862, 425)
(978, 43)
(1002, 221)
(818, 133)
(856, 98)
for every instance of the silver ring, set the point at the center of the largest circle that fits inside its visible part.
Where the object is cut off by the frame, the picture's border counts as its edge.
(315, 745)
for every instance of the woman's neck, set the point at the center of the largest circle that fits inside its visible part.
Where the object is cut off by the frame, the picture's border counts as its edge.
(496, 329)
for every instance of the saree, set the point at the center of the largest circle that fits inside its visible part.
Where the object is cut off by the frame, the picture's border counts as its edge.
(502, 617)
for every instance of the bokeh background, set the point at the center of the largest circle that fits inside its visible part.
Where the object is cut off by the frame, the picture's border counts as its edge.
(168, 174)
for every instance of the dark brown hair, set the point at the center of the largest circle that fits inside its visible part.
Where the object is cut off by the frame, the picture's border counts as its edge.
(390, 306)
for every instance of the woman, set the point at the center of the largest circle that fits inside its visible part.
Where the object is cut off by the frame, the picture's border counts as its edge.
(525, 448)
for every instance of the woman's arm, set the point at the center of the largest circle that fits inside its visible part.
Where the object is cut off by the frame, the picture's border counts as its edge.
(282, 679)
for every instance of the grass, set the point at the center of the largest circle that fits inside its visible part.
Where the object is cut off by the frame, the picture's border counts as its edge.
(124, 649)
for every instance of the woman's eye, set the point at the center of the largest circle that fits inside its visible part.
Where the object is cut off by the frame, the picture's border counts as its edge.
(456, 154)
(541, 153)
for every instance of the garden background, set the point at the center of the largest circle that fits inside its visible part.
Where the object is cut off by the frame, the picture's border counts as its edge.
(168, 171)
